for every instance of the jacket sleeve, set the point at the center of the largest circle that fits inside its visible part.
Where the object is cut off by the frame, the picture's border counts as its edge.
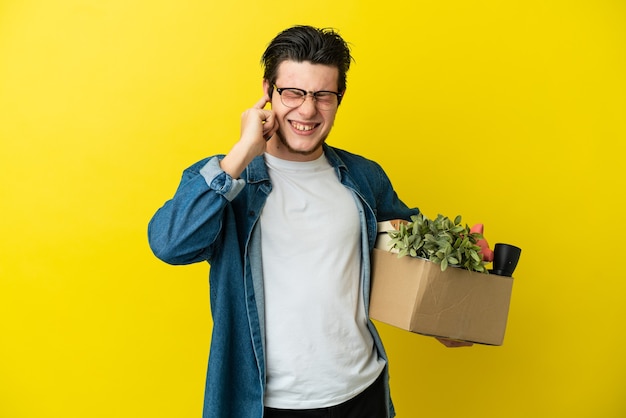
(389, 205)
(184, 228)
(392, 207)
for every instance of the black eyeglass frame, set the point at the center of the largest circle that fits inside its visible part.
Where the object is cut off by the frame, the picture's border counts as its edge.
(306, 93)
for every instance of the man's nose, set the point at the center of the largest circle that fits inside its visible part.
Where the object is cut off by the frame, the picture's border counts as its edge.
(308, 107)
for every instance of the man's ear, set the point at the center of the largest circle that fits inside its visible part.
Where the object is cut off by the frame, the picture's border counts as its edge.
(268, 88)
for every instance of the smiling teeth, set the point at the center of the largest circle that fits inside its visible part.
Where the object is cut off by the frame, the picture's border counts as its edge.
(301, 127)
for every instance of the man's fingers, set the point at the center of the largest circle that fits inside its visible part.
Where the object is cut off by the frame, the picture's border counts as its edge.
(261, 103)
(269, 125)
(256, 114)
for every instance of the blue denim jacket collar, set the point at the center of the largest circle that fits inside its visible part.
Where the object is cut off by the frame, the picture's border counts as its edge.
(256, 171)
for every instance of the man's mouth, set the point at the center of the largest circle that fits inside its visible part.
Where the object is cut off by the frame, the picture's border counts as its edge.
(303, 127)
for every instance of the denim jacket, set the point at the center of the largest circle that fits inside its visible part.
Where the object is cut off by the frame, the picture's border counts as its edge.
(213, 217)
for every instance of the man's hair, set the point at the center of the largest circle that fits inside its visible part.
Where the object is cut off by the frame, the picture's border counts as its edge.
(307, 43)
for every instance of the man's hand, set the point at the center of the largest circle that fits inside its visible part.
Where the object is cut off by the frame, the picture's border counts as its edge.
(258, 125)
(453, 343)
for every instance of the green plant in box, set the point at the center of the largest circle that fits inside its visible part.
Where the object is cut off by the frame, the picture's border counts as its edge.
(441, 241)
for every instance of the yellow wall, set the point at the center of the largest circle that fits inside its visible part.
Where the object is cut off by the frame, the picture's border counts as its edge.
(508, 113)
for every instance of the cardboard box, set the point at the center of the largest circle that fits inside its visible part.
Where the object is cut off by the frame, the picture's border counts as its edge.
(415, 295)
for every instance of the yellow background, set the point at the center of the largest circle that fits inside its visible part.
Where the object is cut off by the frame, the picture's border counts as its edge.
(510, 113)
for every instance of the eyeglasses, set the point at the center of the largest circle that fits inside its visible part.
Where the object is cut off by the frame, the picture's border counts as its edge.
(293, 97)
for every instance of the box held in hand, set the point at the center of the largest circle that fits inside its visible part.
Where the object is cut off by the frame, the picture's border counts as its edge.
(415, 295)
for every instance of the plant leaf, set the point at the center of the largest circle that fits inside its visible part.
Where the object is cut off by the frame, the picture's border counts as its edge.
(444, 264)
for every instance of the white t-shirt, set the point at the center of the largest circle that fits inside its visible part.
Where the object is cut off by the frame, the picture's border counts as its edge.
(319, 350)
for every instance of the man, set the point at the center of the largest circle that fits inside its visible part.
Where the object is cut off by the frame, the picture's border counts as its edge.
(287, 224)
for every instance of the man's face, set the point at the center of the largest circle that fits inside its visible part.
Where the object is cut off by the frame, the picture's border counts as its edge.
(303, 129)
